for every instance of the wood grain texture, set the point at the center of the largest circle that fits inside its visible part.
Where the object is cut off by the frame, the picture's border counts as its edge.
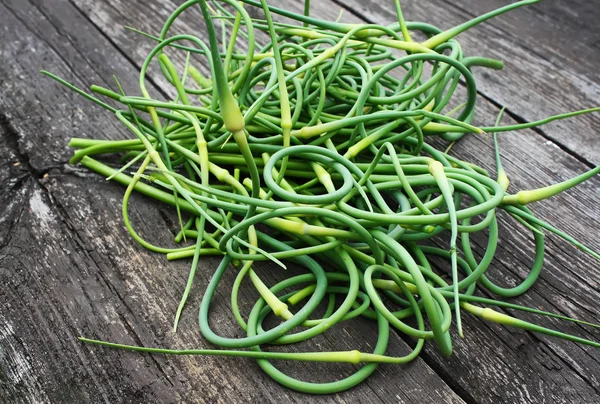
(67, 266)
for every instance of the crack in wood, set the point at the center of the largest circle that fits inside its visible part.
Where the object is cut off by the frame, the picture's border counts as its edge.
(13, 225)
(11, 139)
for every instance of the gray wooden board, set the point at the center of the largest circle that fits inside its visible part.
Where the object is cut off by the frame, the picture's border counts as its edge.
(68, 267)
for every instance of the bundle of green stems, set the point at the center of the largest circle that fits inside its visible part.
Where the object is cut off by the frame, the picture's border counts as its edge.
(313, 150)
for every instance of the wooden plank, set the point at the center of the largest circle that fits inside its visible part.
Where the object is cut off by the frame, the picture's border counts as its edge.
(43, 114)
(552, 28)
(542, 76)
(70, 268)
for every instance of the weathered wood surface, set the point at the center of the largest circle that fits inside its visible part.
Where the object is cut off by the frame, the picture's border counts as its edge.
(67, 266)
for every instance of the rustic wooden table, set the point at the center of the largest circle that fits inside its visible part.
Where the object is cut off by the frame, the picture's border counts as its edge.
(68, 267)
